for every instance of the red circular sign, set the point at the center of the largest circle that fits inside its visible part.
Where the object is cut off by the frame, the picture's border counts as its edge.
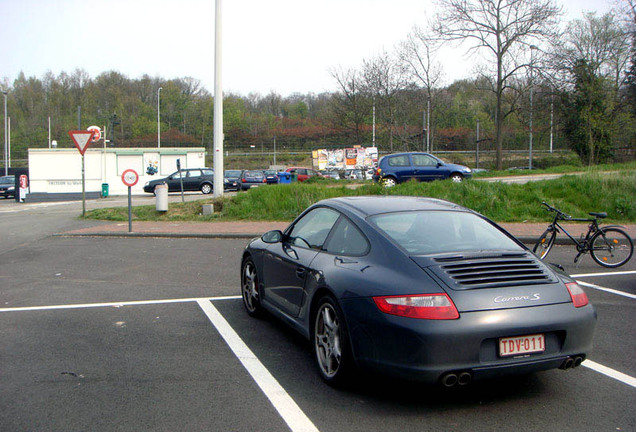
(97, 133)
(130, 177)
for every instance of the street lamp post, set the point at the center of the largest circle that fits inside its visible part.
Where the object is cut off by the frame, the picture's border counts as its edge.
(6, 157)
(159, 117)
(532, 48)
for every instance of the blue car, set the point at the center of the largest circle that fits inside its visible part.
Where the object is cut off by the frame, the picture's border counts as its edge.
(417, 288)
(402, 167)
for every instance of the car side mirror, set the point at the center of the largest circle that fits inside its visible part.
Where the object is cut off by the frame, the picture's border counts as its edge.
(439, 164)
(273, 236)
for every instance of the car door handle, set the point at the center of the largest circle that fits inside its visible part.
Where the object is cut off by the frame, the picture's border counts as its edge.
(300, 272)
(342, 260)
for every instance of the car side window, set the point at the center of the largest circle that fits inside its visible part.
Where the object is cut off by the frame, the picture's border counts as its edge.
(207, 172)
(347, 239)
(423, 160)
(194, 173)
(399, 161)
(313, 228)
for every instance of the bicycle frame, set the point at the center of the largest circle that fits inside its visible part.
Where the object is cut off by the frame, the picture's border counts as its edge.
(582, 246)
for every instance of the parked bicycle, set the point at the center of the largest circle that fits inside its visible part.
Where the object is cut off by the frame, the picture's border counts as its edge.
(609, 245)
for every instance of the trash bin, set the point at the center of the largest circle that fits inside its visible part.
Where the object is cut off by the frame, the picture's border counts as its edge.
(284, 177)
(104, 190)
(161, 193)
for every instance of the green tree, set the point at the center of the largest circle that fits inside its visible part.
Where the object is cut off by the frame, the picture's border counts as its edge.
(587, 115)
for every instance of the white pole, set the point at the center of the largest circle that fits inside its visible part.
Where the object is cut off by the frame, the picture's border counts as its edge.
(218, 103)
(551, 119)
(9, 142)
(6, 167)
(428, 125)
(373, 122)
(159, 117)
(49, 131)
(532, 48)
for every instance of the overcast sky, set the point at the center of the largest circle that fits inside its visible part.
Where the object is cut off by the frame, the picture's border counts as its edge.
(284, 46)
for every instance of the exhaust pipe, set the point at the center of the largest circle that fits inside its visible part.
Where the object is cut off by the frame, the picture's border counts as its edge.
(567, 364)
(577, 361)
(572, 362)
(449, 379)
(464, 378)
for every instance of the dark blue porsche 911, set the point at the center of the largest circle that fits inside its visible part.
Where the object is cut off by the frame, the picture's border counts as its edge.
(418, 288)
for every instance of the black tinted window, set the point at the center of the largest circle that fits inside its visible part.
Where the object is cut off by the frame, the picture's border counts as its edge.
(347, 240)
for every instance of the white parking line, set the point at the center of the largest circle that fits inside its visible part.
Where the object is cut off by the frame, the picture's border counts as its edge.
(280, 399)
(620, 273)
(284, 404)
(114, 304)
(624, 378)
(609, 290)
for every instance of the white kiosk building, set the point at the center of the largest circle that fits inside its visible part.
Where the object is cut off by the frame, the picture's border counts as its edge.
(57, 173)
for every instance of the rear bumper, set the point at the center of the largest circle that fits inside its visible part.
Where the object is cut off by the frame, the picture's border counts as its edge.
(424, 350)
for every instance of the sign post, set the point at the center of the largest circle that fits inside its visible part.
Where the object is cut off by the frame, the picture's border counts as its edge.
(130, 178)
(82, 140)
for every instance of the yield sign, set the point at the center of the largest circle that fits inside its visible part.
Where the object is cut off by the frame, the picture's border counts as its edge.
(81, 138)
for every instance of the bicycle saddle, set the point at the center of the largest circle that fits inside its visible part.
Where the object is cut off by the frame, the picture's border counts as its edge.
(602, 215)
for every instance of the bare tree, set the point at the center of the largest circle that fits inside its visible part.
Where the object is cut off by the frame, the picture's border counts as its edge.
(383, 79)
(602, 41)
(349, 104)
(416, 56)
(505, 30)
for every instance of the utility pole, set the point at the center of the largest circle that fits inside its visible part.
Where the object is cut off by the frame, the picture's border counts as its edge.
(218, 102)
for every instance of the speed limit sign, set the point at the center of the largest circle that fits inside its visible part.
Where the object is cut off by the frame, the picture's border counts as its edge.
(130, 177)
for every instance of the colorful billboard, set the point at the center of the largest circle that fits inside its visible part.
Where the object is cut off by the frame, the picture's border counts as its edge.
(350, 158)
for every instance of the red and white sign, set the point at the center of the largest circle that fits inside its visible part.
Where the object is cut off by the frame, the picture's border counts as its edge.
(81, 139)
(521, 345)
(130, 177)
(97, 133)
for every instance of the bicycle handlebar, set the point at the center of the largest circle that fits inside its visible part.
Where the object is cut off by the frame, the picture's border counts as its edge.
(556, 210)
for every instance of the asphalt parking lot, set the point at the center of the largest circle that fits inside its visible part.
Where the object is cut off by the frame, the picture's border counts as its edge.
(144, 334)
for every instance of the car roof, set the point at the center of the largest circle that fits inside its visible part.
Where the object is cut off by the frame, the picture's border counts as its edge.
(377, 204)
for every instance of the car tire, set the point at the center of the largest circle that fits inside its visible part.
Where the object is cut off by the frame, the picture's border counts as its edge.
(388, 182)
(250, 291)
(456, 177)
(206, 188)
(331, 342)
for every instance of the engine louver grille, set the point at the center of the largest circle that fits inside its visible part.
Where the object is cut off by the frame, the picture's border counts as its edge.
(487, 272)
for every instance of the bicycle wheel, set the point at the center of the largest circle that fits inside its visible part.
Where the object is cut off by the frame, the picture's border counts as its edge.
(545, 243)
(611, 247)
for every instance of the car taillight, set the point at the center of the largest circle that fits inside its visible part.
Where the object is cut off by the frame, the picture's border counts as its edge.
(244, 180)
(422, 306)
(579, 298)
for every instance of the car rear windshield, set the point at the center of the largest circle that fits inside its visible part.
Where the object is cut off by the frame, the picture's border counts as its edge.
(431, 231)
(254, 174)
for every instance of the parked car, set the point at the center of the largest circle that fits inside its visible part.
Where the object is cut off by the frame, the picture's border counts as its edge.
(332, 174)
(417, 288)
(400, 167)
(355, 174)
(7, 186)
(252, 178)
(194, 179)
(303, 173)
(232, 177)
(271, 176)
